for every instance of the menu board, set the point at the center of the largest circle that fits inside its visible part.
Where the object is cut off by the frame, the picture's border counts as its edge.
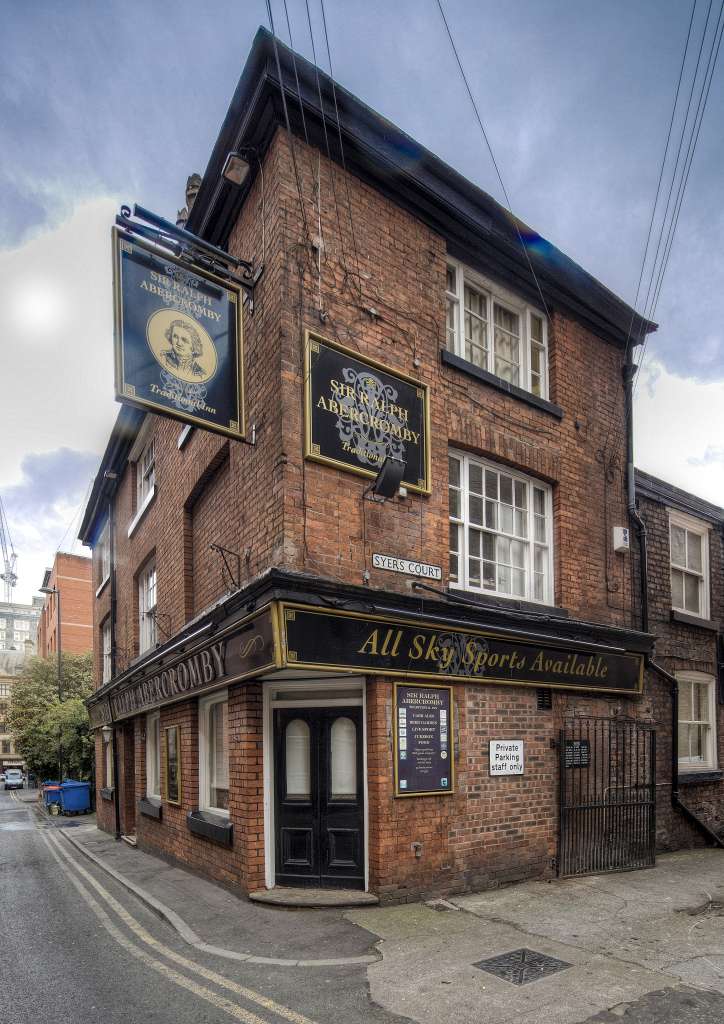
(424, 750)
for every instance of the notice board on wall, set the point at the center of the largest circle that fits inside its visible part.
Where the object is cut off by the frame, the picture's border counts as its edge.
(423, 732)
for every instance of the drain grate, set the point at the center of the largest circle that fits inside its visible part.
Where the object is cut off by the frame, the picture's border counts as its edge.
(522, 966)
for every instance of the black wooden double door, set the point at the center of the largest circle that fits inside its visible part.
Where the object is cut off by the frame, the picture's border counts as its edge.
(319, 797)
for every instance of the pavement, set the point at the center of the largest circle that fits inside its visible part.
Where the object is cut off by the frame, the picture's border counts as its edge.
(642, 947)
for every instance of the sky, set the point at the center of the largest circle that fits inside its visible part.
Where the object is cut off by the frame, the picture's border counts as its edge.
(102, 104)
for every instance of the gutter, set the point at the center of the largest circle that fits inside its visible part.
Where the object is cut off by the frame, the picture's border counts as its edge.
(629, 372)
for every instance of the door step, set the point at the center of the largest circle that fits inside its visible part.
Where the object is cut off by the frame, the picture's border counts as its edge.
(280, 896)
(131, 840)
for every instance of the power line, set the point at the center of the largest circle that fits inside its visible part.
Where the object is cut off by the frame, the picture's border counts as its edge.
(492, 157)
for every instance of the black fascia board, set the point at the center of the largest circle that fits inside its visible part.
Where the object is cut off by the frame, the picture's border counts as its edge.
(282, 585)
(664, 493)
(124, 433)
(478, 230)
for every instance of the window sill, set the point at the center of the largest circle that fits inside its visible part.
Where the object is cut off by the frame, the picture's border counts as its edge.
(150, 807)
(102, 586)
(107, 793)
(705, 775)
(211, 826)
(141, 512)
(684, 619)
(450, 359)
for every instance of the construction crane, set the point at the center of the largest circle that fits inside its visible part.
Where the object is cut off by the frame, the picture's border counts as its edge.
(9, 558)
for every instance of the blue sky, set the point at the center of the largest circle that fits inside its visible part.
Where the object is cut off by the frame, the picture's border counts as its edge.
(108, 103)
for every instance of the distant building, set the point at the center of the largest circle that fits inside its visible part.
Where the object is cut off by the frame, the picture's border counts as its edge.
(71, 575)
(19, 625)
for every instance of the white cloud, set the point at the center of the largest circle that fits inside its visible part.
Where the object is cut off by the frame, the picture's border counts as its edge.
(56, 331)
(678, 427)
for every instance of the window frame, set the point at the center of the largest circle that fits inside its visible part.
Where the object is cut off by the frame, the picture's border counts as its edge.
(103, 561)
(106, 650)
(205, 706)
(496, 294)
(700, 529)
(710, 763)
(153, 740)
(463, 524)
(147, 626)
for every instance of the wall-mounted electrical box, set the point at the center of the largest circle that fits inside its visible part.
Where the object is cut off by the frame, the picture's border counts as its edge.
(621, 539)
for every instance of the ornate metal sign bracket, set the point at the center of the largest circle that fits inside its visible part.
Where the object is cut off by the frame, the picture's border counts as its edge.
(191, 249)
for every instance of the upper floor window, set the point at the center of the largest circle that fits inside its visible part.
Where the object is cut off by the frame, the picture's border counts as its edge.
(4, 689)
(145, 474)
(22, 624)
(102, 553)
(501, 530)
(147, 607)
(689, 548)
(2, 623)
(697, 721)
(106, 637)
(496, 331)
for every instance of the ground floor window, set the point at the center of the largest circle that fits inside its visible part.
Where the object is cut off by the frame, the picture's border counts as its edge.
(153, 755)
(214, 753)
(697, 721)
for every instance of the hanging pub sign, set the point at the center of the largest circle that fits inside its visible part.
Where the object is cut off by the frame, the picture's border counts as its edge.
(352, 641)
(358, 412)
(424, 761)
(178, 338)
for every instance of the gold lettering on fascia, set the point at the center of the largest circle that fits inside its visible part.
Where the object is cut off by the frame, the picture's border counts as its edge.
(368, 418)
(199, 670)
(180, 296)
(476, 659)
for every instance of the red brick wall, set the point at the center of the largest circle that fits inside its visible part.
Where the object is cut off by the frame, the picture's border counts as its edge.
(71, 574)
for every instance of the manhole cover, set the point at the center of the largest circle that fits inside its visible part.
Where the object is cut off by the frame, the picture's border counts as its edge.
(521, 966)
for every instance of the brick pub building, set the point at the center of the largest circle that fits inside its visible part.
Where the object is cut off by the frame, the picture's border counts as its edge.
(368, 694)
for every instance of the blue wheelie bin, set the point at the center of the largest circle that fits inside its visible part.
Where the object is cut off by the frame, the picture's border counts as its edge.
(75, 798)
(51, 792)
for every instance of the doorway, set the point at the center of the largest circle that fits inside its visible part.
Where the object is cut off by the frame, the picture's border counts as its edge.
(319, 797)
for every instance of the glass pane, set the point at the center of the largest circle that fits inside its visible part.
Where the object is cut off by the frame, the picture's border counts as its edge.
(539, 557)
(507, 320)
(536, 328)
(489, 575)
(701, 702)
(453, 472)
(475, 478)
(697, 742)
(491, 518)
(219, 755)
(535, 360)
(453, 569)
(450, 280)
(517, 551)
(489, 546)
(473, 572)
(504, 550)
(538, 587)
(519, 582)
(539, 501)
(474, 543)
(343, 741)
(506, 489)
(683, 741)
(685, 702)
(691, 593)
(536, 386)
(677, 588)
(521, 495)
(693, 551)
(297, 757)
(454, 537)
(503, 579)
(475, 510)
(521, 524)
(454, 498)
(491, 484)
(506, 518)
(678, 545)
(539, 527)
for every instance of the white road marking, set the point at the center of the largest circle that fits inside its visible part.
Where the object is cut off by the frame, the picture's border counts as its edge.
(255, 997)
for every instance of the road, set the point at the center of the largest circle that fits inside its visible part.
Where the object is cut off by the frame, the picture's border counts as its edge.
(79, 949)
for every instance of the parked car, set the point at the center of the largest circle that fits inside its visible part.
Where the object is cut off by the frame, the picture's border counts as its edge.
(2, 776)
(14, 779)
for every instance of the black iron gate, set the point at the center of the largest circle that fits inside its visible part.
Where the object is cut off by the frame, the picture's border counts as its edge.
(607, 796)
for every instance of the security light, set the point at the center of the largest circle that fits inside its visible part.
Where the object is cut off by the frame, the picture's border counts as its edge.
(388, 479)
(236, 169)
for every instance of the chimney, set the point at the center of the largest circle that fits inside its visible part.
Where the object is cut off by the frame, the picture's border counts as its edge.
(193, 184)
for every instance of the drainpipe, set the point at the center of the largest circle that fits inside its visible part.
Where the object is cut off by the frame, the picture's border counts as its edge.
(114, 742)
(629, 372)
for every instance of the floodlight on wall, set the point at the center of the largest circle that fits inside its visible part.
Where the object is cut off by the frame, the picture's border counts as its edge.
(236, 169)
(387, 482)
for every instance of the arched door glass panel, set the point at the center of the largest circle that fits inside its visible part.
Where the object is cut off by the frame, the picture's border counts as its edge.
(344, 759)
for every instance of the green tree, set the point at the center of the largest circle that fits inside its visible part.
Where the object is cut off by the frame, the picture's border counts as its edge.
(43, 726)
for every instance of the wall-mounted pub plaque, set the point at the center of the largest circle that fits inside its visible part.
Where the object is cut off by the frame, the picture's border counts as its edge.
(178, 338)
(358, 411)
(172, 750)
(577, 754)
(506, 757)
(423, 731)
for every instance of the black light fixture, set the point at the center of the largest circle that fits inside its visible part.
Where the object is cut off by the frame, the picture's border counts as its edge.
(236, 169)
(387, 482)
